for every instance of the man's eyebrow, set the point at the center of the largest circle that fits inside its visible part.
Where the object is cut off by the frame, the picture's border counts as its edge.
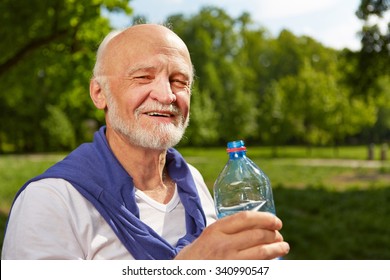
(136, 69)
(182, 71)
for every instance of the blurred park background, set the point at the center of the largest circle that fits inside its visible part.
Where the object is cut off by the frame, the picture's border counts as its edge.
(316, 119)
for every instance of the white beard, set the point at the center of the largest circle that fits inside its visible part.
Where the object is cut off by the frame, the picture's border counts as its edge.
(159, 137)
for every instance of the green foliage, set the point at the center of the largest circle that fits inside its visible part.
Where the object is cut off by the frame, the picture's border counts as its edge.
(214, 47)
(381, 128)
(314, 107)
(271, 90)
(48, 50)
(202, 112)
(374, 39)
(374, 56)
(59, 128)
(249, 85)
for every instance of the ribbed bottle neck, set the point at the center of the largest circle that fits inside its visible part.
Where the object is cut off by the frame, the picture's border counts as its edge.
(236, 155)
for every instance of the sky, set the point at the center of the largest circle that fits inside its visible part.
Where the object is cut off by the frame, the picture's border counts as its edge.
(331, 22)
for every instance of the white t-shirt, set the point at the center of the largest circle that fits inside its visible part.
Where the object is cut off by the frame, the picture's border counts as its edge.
(52, 220)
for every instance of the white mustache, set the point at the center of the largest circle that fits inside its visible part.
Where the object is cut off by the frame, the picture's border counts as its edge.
(152, 107)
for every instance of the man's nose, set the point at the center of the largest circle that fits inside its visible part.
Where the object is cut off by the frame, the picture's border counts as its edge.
(162, 91)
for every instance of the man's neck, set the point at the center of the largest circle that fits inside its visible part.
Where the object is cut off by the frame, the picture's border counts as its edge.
(145, 166)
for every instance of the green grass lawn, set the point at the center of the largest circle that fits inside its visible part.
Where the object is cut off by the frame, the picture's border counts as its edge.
(333, 205)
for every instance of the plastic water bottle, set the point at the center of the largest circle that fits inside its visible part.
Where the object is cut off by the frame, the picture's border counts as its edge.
(242, 185)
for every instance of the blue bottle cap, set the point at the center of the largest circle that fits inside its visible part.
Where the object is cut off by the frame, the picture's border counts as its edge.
(235, 144)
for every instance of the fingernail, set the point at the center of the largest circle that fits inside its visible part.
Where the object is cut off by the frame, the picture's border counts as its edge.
(286, 246)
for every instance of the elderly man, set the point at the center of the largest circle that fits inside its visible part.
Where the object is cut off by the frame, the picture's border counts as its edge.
(129, 194)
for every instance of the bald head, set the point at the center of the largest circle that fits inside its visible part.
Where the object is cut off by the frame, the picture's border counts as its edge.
(119, 47)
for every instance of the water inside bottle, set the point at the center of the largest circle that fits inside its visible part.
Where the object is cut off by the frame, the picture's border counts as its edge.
(250, 205)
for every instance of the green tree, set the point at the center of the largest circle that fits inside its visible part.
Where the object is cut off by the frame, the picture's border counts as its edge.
(214, 44)
(315, 109)
(60, 129)
(278, 61)
(275, 90)
(47, 55)
(250, 85)
(374, 56)
(367, 70)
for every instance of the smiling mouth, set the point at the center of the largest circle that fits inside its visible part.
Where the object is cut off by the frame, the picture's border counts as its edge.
(160, 114)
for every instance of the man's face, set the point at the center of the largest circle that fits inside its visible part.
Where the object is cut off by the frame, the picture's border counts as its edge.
(148, 92)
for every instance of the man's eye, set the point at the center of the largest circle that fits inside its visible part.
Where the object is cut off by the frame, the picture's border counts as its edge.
(145, 77)
(180, 83)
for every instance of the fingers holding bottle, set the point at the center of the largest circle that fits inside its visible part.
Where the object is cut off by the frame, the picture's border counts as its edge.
(245, 235)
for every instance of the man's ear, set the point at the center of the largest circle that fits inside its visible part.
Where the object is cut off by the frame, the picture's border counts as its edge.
(97, 94)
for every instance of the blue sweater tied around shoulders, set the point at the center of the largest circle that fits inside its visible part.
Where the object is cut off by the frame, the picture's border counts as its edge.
(95, 172)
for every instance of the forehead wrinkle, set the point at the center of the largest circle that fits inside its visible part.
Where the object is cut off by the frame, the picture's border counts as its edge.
(174, 65)
(133, 69)
(135, 40)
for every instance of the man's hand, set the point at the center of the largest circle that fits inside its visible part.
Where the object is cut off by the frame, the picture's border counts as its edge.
(245, 235)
